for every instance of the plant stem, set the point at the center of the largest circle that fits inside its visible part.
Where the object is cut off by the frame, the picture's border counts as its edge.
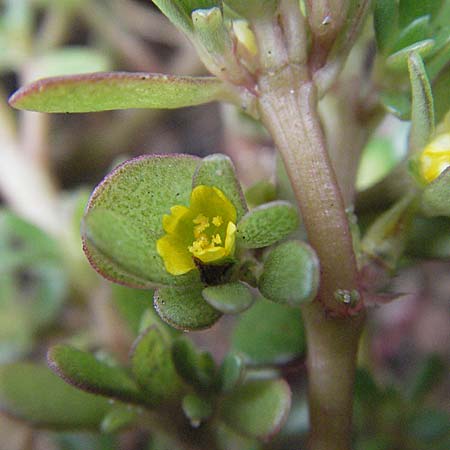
(288, 108)
(331, 360)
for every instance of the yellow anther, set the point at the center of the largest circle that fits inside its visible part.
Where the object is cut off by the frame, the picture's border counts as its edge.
(202, 223)
(216, 239)
(217, 221)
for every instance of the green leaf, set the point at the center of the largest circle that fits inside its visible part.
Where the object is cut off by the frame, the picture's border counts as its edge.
(418, 30)
(440, 94)
(431, 373)
(269, 333)
(262, 191)
(230, 298)
(119, 418)
(33, 284)
(378, 158)
(211, 32)
(196, 409)
(185, 308)
(398, 61)
(291, 274)
(385, 22)
(385, 239)
(267, 224)
(197, 369)
(33, 393)
(422, 110)
(231, 372)
(179, 11)
(412, 9)
(116, 90)
(153, 369)
(257, 409)
(84, 371)
(124, 219)
(218, 170)
(436, 196)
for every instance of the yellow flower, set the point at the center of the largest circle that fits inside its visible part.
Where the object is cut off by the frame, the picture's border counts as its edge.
(435, 158)
(205, 230)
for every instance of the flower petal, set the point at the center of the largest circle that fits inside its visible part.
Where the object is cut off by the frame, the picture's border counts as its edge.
(175, 255)
(212, 202)
(230, 238)
(172, 221)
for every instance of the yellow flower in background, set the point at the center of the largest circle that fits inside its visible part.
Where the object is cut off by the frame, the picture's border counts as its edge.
(205, 230)
(435, 158)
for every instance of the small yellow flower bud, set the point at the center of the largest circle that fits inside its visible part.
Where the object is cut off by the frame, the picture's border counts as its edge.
(435, 158)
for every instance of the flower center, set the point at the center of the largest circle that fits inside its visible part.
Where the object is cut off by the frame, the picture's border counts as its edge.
(206, 234)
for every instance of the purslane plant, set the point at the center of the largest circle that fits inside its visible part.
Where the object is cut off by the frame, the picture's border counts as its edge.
(181, 225)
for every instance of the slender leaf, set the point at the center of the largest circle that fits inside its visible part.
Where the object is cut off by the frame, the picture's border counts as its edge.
(33, 393)
(422, 110)
(84, 371)
(116, 90)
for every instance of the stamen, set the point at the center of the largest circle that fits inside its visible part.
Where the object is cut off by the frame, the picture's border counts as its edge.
(202, 223)
(217, 221)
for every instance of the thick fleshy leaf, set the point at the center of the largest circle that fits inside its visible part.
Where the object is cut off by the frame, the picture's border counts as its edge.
(440, 94)
(124, 219)
(291, 274)
(422, 110)
(197, 409)
(412, 9)
(269, 333)
(119, 418)
(257, 408)
(179, 11)
(218, 170)
(33, 393)
(84, 371)
(386, 237)
(267, 224)
(196, 368)
(385, 22)
(105, 91)
(185, 308)
(436, 196)
(399, 60)
(261, 192)
(417, 30)
(231, 372)
(230, 298)
(153, 368)
(28, 253)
